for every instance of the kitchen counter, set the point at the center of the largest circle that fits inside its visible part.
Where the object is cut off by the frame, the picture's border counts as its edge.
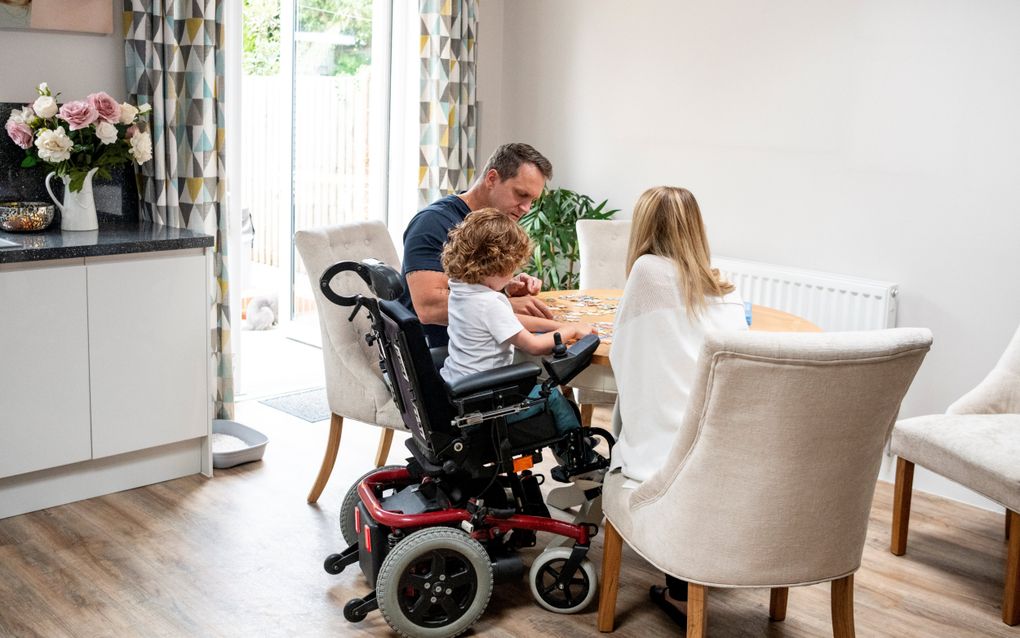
(112, 238)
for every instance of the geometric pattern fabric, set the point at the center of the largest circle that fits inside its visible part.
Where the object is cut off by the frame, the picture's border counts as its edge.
(173, 53)
(448, 111)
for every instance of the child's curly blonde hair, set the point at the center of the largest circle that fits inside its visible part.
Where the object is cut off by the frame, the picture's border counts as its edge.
(487, 243)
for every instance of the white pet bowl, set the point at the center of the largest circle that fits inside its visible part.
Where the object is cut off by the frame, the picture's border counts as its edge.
(256, 444)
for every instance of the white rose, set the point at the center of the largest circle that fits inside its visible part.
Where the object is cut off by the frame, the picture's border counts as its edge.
(18, 115)
(106, 132)
(127, 113)
(141, 147)
(45, 106)
(43, 88)
(54, 146)
(145, 108)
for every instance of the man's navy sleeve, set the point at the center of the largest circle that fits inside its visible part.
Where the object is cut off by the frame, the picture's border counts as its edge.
(423, 243)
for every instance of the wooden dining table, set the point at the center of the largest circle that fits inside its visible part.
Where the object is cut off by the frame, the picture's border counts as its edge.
(598, 307)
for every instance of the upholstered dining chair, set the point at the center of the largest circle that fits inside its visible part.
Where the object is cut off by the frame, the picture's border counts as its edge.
(977, 444)
(354, 385)
(770, 478)
(602, 250)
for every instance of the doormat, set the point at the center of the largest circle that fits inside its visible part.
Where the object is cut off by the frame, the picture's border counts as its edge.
(310, 405)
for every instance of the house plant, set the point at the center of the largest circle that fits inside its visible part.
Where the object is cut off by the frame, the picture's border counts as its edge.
(552, 225)
(77, 141)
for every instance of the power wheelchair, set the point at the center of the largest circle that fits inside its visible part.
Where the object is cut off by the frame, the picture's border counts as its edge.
(432, 537)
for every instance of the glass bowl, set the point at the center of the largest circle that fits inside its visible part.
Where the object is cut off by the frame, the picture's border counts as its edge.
(19, 217)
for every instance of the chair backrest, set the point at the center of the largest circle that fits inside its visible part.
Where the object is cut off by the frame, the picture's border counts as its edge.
(424, 402)
(602, 246)
(999, 392)
(771, 476)
(354, 385)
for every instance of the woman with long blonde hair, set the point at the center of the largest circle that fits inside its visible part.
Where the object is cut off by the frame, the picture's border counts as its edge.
(672, 298)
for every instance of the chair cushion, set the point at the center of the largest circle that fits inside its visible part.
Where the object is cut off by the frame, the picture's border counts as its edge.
(981, 452)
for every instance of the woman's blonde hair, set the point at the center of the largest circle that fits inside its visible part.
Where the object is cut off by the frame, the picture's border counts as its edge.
(667, 222)
(486, 243)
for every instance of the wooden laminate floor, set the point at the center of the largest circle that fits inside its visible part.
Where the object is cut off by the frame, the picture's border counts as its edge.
(241, 555)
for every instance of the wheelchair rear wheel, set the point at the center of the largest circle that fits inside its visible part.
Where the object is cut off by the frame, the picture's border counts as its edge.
(572, 598)
(434, 584)
(351, 500)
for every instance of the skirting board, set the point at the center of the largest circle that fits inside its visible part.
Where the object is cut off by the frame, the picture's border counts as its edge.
(78, 481)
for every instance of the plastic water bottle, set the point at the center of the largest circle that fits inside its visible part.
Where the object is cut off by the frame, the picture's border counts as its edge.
(747, 312)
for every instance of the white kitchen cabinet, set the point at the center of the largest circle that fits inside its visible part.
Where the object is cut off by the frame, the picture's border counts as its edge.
(44, 366)
(104, 375)
(148, 341)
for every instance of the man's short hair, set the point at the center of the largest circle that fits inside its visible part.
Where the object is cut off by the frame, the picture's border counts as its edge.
(507, 160)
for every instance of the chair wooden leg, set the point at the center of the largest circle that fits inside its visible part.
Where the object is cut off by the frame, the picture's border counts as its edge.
(612, 548)
(336, 424)
(1009, 523)
(381, 454)
(1011, 596)
(777, 603)
(587, 409)
(901, 506)
(697, 610)
(843, 607)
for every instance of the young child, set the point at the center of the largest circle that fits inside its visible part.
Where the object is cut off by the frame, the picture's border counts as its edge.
(480, 258)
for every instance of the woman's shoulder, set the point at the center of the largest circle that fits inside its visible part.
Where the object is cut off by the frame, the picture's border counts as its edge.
(653, 265)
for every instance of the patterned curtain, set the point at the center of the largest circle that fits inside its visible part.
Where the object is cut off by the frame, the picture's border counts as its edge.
(174, 61)
(448, 110)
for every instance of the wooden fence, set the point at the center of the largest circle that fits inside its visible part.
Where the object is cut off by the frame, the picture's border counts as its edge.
(331, 159)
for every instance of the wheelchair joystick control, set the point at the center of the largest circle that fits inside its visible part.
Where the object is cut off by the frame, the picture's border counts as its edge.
(559, 350)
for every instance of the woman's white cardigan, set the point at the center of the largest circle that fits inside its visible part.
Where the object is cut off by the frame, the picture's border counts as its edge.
(654, 356)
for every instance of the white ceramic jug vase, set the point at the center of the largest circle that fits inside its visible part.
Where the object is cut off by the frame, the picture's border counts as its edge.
(78, 210)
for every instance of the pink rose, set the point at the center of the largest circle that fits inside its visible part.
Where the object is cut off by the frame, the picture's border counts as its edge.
(78, 114)
(20, 133)
(106, 106)
(130, 132)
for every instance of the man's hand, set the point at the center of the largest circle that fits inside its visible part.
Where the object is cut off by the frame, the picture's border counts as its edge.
(531, 306)
(523, 284)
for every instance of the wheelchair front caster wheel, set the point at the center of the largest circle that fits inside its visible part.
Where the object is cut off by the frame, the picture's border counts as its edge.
(353, 611)
(562, 598)
(333, 564)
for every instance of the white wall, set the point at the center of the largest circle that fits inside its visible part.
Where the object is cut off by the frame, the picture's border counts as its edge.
(75, 64)
(489, 56)
(875, 138)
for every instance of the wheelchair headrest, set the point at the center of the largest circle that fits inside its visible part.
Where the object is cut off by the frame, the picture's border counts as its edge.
(382, 280)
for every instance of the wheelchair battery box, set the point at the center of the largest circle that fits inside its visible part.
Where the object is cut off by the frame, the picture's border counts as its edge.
(373, 545)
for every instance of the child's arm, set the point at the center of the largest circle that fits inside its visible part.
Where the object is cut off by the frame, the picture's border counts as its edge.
(543, 344)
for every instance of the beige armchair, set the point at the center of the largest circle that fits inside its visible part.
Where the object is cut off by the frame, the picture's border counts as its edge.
(977, 444)
(770, 478)
(602, 250)
(354, 385)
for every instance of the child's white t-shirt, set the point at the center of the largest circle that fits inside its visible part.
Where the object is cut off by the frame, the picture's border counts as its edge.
(481, 322)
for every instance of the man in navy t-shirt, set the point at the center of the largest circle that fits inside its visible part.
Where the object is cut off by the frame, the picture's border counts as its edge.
(513, 177)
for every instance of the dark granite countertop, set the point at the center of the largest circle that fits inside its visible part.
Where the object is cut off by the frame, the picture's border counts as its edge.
(112, 238)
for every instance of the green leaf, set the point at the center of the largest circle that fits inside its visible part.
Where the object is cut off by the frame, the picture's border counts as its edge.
(77, 180)
(29, 161)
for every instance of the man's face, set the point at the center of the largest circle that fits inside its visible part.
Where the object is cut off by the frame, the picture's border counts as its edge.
(513, 196)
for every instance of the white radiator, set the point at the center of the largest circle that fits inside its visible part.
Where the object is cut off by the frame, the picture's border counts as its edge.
(832, 302)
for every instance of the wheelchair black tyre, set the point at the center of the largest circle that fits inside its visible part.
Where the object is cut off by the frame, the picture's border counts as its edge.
(435, 559)
(351, 500)
(570, 600)
(352, 613)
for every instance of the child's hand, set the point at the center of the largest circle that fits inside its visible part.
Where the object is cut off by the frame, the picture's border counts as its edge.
(573, 331)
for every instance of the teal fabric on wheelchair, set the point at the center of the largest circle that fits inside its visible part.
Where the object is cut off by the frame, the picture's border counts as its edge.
(557, 404)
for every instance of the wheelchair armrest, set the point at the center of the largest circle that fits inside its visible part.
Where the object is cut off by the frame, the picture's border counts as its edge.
(523, 375)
